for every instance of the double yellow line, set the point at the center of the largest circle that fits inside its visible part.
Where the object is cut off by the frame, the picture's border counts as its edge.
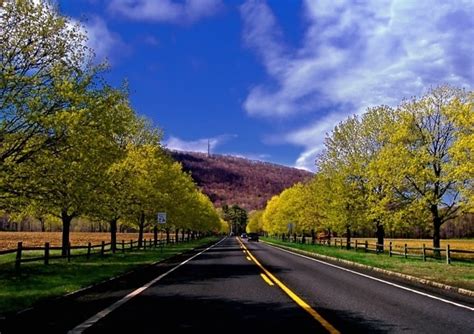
(270, 278)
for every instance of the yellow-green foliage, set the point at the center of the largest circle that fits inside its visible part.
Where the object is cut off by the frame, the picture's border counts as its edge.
(70, 144)
(255, 223)
(392, 167)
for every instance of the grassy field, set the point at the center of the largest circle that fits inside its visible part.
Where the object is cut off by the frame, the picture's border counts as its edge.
(9, 240)
(37, 281)
(459, 274)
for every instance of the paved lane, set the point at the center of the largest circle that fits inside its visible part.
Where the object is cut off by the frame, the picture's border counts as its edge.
(353, 303)
(218, 291)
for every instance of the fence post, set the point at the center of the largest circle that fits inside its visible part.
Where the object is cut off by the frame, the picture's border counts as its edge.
(390, 249)
(18, 255)
(89, 246)
(356, 244)
(424, 252)
(406, 251)
(366, 246)
(144, 244)
(131, 244)
(102, 248)
(448, 255)
(46, 252)
(69, 252)
(123, 246)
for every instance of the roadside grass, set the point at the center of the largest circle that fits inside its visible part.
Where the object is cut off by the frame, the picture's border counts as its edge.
(458, 274)
(37, 281)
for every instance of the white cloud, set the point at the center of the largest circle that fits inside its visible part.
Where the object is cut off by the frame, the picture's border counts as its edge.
(355, 55)
(199, 145)
(102, 40)
(168, 11)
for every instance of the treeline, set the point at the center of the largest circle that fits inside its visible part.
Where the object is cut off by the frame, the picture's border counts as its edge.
(403, 170)
(70, 144)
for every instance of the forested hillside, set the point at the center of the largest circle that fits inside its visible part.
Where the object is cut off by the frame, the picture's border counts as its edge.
(231, 180)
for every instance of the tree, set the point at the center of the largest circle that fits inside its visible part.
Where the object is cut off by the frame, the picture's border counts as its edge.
(255, 224)
(420, 162)
(67, 181)
(40, 51)
(236, 216)
(341, 166)
(116, 191)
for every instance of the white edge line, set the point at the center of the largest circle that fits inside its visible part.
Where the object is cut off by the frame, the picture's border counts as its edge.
(374, 278)
(95, 318)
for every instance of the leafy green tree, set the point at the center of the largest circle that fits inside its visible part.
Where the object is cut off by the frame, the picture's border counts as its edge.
(116, 191)
(255, 222)
(341, 164)
(236, 216)
(67, 181)
(40, 52)
(419, 161)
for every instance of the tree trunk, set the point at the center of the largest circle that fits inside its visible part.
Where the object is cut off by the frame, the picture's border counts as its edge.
(66, 220)
(380, 233)
(182, 235)
(348, 238)
(436, 230)
(155, 234)
(113, 234)
(176, 236)
(141, 226)
(42, 222)
(167, 235)
(313, 237)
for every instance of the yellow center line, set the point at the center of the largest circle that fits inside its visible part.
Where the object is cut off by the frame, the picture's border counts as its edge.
(266, 279)
(305, 306)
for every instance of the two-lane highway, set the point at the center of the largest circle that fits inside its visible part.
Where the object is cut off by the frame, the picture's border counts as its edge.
(221, 290)
(240, 286)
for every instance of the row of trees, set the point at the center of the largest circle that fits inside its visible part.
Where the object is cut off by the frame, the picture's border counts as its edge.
(391, 168)
(70, 144)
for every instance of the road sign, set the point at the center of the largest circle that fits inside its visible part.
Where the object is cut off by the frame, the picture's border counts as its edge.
(161, 217)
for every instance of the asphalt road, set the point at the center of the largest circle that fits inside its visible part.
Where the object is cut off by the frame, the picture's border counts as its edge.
(222, 290)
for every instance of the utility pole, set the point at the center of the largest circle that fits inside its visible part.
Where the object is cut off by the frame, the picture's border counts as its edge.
(208, 148)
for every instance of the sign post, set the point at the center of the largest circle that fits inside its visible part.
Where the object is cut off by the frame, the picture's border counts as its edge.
(161, 218)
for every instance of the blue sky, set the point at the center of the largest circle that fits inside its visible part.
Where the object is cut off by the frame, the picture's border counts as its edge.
(268, 79)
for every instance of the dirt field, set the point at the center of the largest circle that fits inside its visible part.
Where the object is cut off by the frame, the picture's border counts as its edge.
(9, 240)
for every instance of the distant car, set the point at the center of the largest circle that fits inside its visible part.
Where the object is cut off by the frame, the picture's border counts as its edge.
(243, 235)
(252, 237)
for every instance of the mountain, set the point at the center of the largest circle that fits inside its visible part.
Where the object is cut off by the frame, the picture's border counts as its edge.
(233, 180)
